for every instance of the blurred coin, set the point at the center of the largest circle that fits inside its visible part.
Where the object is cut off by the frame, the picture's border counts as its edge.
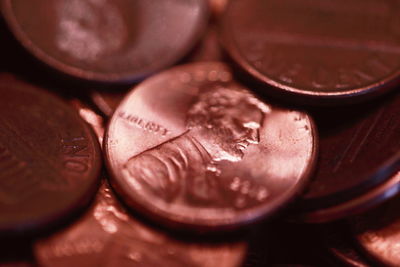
(191, 147)
(107, 40)
(49, 159)
(341, 247)
(108, 236)
(218, 7)
(359, 150)
(91, 117)
(208, 49)
(323, 51)
(378, 233)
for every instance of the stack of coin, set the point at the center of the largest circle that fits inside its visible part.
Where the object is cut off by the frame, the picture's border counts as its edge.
(228, 129)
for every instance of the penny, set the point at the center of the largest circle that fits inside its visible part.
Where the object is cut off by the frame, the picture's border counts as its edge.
(108, 236)
(107, 41)
(302, 54)
(359, 150)
(341, 247)
(50, 159)
(377, 233)
(192, 148)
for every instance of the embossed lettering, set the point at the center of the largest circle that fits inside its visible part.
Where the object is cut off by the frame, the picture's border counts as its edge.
(145, 125)
(75, 150)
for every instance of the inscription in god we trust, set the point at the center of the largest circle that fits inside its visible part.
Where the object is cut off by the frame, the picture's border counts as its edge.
(76, 154)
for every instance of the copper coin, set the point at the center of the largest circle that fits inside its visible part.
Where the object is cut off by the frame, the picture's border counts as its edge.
(356, 205)
(341, 247)
(108, 236)
(107, 41)
(378, 233)
(191, 147)
(359, 150)
(49, 159)
(322, 51)
(107, 101)
(91, 117)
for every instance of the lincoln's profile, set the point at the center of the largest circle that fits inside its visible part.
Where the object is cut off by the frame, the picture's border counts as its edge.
(221, 124)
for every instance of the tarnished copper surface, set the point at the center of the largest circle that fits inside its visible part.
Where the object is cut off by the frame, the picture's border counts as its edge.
(378, 233)
(359, 149)
(49, 159)
(108, 41)
(107, 237)
(320, 50)
(191, 147)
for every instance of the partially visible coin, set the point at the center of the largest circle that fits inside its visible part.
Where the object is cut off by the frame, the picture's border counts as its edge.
(218, 7)
(356, 205)
(107, 40)
(49, 159)
(378, 233)
(359, 152)
(191, 147)
(107, 236)
(317, 51)
(91, 117)
(107, 101)
(341, 246)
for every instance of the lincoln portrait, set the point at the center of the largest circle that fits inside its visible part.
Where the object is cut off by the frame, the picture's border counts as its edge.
(221, 124)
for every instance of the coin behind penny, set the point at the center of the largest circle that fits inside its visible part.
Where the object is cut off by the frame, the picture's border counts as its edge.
(108, 236)
(49, 159)
(191, 147)
(340, 246)
(318, 51)
(107, 41)
(377, 233)
(359, 152)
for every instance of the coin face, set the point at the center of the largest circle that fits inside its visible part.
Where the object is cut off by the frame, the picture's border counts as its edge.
(107, 40)
(359, 150)
(50, 159)
(192, 147)
(378, 233)
(330, 50)
(108, 236)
